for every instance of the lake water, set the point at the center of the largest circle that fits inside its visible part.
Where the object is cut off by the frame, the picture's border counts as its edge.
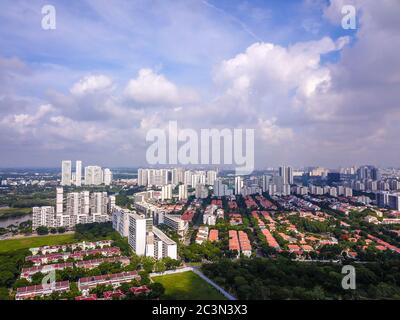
(14, 220)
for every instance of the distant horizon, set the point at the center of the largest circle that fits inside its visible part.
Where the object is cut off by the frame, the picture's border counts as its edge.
(197, 167)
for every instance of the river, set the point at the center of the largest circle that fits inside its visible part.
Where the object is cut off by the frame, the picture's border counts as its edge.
(14, 220)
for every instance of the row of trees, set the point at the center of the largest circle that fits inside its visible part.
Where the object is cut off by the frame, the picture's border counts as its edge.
(282, 278)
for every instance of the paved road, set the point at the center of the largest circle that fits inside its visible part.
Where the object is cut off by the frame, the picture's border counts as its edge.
(216, 286)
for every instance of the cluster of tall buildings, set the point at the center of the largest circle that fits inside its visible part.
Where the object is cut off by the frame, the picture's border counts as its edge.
(278, 184)
(388, 200)
(93, 175)
(273, 184)
(77, 208)
(167, 191)
(175, 176)
(325, 190)
(221, 189)
(168, 179)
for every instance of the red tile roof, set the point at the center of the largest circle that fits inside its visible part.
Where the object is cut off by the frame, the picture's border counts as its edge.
(213, 235)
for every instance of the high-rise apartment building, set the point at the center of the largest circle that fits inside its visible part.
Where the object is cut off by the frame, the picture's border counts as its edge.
(187, 178)
(59, 200)
(166, 192)
(78, 173)
(142, 178)
(182, 192)
(211, 176)
(287, 174)
(266, 180)
(238, 184)
(220, 189)
(139, 227)
(66, 172)
(93, 175)
(201, 191)
(147, 240)
(107, 179)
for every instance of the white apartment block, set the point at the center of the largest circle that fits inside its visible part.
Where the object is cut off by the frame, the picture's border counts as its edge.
(120, 220)
(78, 173)
(66, 172)
(107, 177)
(199, 177)
(201, 191)
(153, 177)
(164, 246)
(182, 192)
(42, 216)
(59, 200)
(178, 175)
(174, 222)
(187, 178)
(139, 227)
(147, 240)
(93, 175)
(238, 184)
(211, 176)
(166, 192)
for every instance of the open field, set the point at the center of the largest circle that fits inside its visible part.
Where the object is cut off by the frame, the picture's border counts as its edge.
(26, 243)
(14, 212)
(187, 286)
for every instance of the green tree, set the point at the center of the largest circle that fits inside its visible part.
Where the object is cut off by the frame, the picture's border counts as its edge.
(4, 294)
(6, 278)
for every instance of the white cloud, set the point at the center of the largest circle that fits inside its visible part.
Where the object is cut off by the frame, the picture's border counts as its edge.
(91, 84)
(273, 134)
(272, 79)
(155, 89)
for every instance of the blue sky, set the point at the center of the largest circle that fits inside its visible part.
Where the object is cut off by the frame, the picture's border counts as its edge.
(299, 68)
(90, 38)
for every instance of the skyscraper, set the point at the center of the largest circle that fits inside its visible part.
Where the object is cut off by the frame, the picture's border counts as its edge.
(219, 188)
(287, 174)
(183, 194)
(93, 175)
(107, 176)
(238, 184)
(139, 227)
(266, 180)
(59, 201)
(166, 192)
(78, 173)
(211, 176)
(66, 172)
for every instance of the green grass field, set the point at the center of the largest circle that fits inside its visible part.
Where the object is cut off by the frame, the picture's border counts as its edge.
(26, 243)
(187, 286)
(14, 212)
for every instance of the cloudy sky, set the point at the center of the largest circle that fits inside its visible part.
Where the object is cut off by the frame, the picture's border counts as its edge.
(315, 94)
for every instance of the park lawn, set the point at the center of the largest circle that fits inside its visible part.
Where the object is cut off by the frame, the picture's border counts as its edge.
(187, 286)
(14, 212)
(31, 242)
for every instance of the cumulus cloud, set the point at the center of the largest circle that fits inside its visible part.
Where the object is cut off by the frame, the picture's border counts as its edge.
(91, 84)
(155, 89)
